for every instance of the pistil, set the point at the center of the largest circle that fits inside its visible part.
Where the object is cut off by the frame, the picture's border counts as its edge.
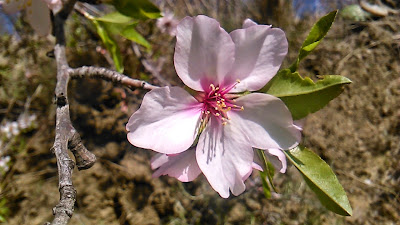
(216, 103)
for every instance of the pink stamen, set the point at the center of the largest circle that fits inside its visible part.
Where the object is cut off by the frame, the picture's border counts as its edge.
(218, 103)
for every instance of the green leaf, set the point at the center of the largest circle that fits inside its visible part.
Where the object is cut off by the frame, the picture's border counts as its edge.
(302, 95)
(114, 17)
(115, 22)
(114, 28)
(266, 188)
(317, 33)
(138, 9)
(269, 170)
(130, 33)
(110, 44)
(321, 179)
(266, 175)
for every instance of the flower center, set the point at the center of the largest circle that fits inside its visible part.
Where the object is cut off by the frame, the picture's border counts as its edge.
(217, 102)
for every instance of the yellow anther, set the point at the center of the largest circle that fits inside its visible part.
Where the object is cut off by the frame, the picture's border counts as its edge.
(212, 87)
(242, 108)
(237, 81)
(217, 114)
(224, 123)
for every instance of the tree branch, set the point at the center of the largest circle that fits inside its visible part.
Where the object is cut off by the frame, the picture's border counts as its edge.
(66, 137)
(109, 75)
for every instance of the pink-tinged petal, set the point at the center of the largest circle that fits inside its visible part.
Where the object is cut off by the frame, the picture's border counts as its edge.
(54, 4)
(225, 157)
(248, 23)
(182, 166)
(254, 165)
(277, 158)
(257, 165)
(300, 123)
(247, 175)
(166, 122)
(259, 53)
(13, 6)
(38, 16)
(266, 121)
(204, 52)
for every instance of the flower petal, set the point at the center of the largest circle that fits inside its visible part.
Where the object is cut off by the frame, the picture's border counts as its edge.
(166, 122)
(266, 121)
(300, 123)
(259, 53)
(248, 23)
(54, 4)
(225, 157)
(38, 16)
(13, 6)
(204, 52)
(277, 158)
(182, 166)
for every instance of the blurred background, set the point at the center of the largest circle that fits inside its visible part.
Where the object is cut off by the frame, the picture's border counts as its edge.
(357, 134)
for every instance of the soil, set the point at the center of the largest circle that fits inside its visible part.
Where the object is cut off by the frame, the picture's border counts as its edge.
(357, 134)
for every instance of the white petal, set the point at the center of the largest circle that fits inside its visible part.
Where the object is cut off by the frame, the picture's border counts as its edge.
(277, 158)
(182, 166)
(54, 4)
(166, 122)
(258, 163)
(266, 121)
(259, 53)
(248, 23)
(38, 16)
(300, 123)
(225, 157)
(204, 52)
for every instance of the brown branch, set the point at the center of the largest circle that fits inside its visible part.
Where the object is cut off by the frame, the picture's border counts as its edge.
(84, 159)
(66, 137)
(109, 75)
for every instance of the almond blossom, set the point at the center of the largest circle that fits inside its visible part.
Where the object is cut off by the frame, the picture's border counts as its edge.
(216, 130)
(37, 12)
(168, 23)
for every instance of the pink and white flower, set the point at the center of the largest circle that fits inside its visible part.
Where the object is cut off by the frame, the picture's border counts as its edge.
(228, 125)
(168, 23)
(37, 12)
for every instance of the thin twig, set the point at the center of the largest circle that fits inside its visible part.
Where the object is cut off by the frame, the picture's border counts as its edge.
(66, 137)
(109, 75)
(65, 132)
